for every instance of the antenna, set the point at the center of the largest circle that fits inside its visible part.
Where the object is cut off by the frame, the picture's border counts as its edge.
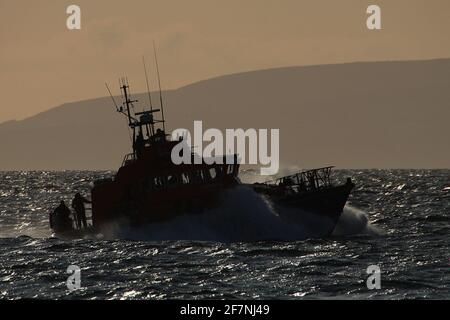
(146, 80)
(152, 126)
(159, 84)
(112, 98)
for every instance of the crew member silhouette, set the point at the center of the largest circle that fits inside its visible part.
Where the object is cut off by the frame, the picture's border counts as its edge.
(139, 144)
(78, 205)
(60, 218)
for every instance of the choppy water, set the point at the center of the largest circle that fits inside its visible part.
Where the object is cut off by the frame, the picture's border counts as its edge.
(396, 219)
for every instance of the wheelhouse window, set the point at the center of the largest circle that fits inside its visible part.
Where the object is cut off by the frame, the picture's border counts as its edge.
(185, 179)
(213, 173)
(158, 182)
(172, 180)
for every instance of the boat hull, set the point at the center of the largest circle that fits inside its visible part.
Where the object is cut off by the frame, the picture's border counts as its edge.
(326, 202)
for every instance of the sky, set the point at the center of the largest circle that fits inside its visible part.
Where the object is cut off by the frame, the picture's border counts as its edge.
(43, 64)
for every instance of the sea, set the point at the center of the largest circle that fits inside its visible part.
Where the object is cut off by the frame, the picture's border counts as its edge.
(391, 242)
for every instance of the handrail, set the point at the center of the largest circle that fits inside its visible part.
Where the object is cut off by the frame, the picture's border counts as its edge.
(128, 158)
(306, 179)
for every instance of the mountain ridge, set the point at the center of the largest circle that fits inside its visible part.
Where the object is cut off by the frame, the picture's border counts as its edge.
(354, 115)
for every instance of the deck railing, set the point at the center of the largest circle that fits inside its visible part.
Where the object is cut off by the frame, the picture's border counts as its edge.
(307, 179)
(128, 159)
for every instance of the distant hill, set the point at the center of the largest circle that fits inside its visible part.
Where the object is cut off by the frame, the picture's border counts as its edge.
(358, 115)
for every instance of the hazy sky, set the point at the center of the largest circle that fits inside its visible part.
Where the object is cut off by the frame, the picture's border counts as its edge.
(43, 64)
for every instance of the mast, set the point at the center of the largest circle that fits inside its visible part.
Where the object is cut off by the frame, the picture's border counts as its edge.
(139, 121)
(128, 102)
(118, 109)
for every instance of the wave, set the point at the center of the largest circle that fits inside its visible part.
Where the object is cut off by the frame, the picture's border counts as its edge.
(355, 221)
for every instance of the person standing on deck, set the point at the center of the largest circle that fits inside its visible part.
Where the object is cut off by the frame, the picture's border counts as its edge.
(139, 144)
(60, 218)
(78, 205)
